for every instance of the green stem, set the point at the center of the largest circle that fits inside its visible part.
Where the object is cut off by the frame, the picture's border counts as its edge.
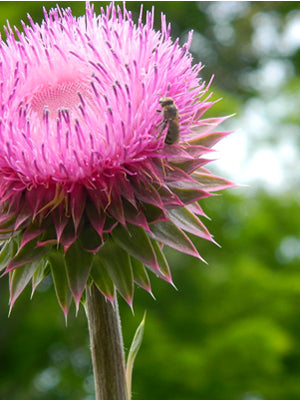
(106, 346)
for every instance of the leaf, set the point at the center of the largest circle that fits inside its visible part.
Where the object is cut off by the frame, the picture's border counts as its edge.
(7, 222)
(48, 238)
(134, 348)
(188, 194)
(205, 126)
(186, 220)
(116, 209)
(96, 217)
(58, 269)
(7, 235)
(31, 233)
(68, 236)
(146, 192)
(136, 242)
(140, 275)
(19, 279)
(163, 263)
(23, 215)
(26, 255)
(206, 139)
(196, 151)
(168, 197)
(7, 252)
(78, 267)
(42, 271)
(102, 279)
(118, 264)
(90, 239)
(167, 232)
(153, 213)
(135, 215)
(190, 165)
(210, 182)
(77, 204)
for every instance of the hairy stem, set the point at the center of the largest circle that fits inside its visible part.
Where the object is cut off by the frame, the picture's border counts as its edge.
(106, 346)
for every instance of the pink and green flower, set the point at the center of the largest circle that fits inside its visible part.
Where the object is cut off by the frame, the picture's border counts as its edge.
(90, 191)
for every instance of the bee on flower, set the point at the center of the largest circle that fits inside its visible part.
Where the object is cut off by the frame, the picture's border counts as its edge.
(171, 119)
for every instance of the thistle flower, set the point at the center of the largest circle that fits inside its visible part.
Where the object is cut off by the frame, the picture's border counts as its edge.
(90, 187)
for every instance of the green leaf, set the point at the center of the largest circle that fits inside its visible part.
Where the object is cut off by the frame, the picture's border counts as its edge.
(31, 233)
(7, 253)
(7, 235)
(118, 264)
(58, 269)
(26, 255)
(140, 275)
(210, 182)
(48, 238)
(162, 262)
(166, 232)
(190, 166)
(90, 239)
(153, 213)
(78, 266)
(101, 278)
(134, 348)
(19, 279)
(188, 192)
(186, 220)
(207, 138)
(68, 236)
(42, 271)
(7, 223)
(136, 242)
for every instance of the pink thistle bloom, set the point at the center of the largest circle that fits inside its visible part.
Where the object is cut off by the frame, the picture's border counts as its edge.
(88, 182)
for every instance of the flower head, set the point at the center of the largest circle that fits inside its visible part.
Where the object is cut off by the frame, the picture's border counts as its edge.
(93, 176)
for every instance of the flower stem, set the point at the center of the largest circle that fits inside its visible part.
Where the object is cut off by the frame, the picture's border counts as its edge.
(106, 346)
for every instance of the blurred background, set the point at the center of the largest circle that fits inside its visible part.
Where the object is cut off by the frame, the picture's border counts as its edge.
(232, 329)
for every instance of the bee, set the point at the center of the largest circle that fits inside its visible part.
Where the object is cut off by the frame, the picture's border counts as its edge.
(171, 118)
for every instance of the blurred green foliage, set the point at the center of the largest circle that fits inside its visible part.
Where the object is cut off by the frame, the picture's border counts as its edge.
(231, 330)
